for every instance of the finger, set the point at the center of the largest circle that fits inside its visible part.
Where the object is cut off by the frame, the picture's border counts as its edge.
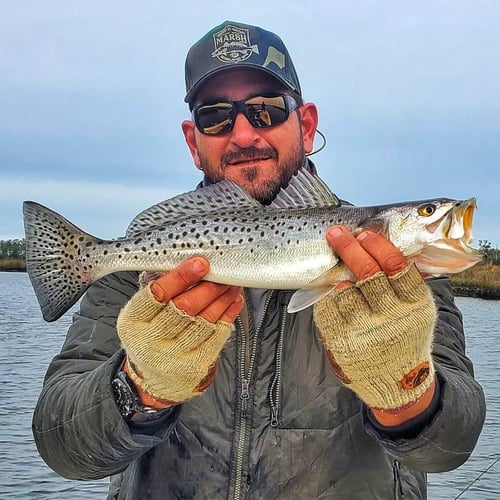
(354, 256)
(199, 297)
(179, 279)
(224, 308)
(233, 310)
(342, 285)
(389, 258)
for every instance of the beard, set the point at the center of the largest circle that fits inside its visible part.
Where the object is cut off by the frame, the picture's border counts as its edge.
(265, 190)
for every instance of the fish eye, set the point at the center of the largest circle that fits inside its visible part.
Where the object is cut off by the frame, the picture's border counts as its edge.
(426, 210)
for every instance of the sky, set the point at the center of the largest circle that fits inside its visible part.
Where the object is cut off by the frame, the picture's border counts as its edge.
(91, 101)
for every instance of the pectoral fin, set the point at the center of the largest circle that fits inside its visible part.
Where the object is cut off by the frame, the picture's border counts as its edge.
(306, 297)
(319, 288)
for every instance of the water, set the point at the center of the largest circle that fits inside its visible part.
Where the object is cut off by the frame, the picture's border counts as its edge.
(27, 344)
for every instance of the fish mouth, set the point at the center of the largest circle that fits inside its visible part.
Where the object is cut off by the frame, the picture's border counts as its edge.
(458, 227)
(455, 226)
(450, 252)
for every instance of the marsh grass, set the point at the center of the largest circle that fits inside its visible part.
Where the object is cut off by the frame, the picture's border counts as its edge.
(484, 276)
(12, 265)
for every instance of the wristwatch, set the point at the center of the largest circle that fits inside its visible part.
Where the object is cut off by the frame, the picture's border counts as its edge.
(127, 398)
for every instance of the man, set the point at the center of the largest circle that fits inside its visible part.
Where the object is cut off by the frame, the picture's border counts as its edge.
(342, 400)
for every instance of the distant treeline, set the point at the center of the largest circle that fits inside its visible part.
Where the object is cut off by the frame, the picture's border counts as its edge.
(12, 249)
(492, 254)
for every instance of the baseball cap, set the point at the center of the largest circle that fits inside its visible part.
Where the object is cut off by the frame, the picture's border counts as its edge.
(233, 44)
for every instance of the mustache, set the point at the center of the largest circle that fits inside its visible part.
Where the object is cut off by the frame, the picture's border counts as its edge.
(246, 154)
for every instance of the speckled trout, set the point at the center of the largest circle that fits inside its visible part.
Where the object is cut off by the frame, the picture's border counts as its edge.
(279, 246)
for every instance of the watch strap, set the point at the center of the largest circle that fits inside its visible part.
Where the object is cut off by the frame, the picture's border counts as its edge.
(128, 400)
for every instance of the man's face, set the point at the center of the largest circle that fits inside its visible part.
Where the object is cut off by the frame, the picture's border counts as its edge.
(260, 160)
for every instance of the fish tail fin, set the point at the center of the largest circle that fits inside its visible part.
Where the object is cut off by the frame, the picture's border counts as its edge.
(55, 259)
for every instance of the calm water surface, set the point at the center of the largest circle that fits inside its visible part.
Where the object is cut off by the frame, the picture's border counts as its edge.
(27, 344)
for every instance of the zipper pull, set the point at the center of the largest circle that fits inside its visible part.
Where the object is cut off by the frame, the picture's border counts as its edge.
(245, 383)
(274, 416)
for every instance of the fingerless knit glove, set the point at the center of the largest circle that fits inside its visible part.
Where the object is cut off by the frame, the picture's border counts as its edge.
(378, 335)
(171, 354)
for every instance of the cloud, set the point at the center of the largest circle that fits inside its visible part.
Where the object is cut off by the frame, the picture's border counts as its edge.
(92, 97)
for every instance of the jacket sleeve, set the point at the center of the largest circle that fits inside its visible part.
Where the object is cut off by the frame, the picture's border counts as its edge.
(77, 427)
(449, 439)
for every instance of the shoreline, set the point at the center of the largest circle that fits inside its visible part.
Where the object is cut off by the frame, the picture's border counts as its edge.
(475, 292)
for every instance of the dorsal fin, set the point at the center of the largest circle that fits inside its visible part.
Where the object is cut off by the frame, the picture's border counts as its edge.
(305, 190)
(220, 197)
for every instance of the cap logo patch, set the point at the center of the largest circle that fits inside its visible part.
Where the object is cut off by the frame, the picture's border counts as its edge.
(232, 45)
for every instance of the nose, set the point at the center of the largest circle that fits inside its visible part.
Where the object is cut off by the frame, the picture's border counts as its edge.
(243, 134)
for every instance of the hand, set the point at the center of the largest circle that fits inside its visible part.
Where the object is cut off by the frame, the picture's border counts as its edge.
(174, 329)
(378, 331)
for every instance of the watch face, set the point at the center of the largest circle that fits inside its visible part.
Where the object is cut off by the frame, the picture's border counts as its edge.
(123, 397)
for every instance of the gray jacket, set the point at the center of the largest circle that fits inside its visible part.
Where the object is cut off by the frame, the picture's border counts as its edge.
(275, 424)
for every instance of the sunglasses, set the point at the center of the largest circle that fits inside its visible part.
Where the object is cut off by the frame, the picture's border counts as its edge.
(262, 111)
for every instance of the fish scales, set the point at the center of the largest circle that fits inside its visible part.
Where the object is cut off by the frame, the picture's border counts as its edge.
(280, 246)
(286, 249)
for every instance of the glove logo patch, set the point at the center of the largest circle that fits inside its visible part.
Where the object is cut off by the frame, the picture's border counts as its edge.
(415, 377)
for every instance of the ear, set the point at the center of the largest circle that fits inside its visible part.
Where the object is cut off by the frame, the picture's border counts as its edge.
(309, 123)
(189, 131)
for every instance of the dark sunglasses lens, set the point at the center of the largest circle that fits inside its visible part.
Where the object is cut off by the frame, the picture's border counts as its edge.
(215, 119)
(266, 111)
(261, 111)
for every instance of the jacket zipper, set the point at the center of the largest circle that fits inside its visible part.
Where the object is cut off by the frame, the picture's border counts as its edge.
(275, 390)
(247, 363)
